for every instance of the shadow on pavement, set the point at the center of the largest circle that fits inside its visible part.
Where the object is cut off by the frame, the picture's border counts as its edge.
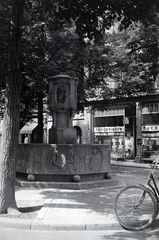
(128, 235)
(30, 209)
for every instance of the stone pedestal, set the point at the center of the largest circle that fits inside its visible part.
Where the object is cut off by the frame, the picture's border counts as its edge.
(62, 103)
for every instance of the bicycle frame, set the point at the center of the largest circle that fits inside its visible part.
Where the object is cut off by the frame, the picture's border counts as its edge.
(154, 186)
(140, 200)
(152, 183)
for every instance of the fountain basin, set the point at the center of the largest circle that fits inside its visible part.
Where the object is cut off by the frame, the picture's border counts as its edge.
(64, 162)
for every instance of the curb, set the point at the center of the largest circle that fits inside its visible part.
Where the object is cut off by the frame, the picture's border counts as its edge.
(46, 225)
(132, 164)
(15, 223)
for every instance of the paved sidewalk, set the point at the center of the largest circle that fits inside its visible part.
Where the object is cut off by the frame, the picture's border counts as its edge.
(62, 209)
(47, 208)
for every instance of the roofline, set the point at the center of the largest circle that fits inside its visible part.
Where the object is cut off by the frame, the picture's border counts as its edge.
(123, 100)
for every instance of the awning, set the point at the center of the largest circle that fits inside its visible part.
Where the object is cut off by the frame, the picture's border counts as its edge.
(29, 127)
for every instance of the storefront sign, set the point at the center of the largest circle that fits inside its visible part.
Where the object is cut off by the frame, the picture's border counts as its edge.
(150, 128)
(109, 129)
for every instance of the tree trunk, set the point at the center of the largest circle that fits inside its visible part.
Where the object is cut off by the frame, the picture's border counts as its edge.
(10, 134)
(40, 117)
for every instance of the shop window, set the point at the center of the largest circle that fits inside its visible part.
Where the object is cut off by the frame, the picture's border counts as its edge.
(151, 118)
(118, 125)
(108, 121)
(150, 130)
(152, 107)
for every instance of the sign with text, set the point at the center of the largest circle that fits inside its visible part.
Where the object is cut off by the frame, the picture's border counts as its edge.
(150, 128)
(109, 129)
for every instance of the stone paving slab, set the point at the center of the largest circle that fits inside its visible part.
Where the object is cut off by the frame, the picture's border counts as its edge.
(82, 210)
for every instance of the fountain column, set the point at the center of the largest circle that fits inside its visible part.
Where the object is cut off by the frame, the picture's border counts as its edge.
(62, 104)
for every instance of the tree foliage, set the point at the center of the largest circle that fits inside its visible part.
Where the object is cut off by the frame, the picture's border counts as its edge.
(135, 62)
(91, 17)
(49, 45)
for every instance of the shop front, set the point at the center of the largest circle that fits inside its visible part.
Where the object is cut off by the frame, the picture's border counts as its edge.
(118, 125)
(150, 130)
(132, 124)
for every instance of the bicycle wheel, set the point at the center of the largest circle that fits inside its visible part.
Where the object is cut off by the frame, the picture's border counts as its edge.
(135, 207)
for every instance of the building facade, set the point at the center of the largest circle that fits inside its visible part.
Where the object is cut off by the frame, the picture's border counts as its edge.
(131, 123)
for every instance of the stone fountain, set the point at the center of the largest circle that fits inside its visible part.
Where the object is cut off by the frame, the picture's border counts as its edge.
(63, 160)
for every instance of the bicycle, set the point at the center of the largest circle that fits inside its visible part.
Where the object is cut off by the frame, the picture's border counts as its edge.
(136, 206)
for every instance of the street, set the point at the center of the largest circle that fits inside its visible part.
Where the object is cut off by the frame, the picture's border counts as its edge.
(10, 234)
(133, 175)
